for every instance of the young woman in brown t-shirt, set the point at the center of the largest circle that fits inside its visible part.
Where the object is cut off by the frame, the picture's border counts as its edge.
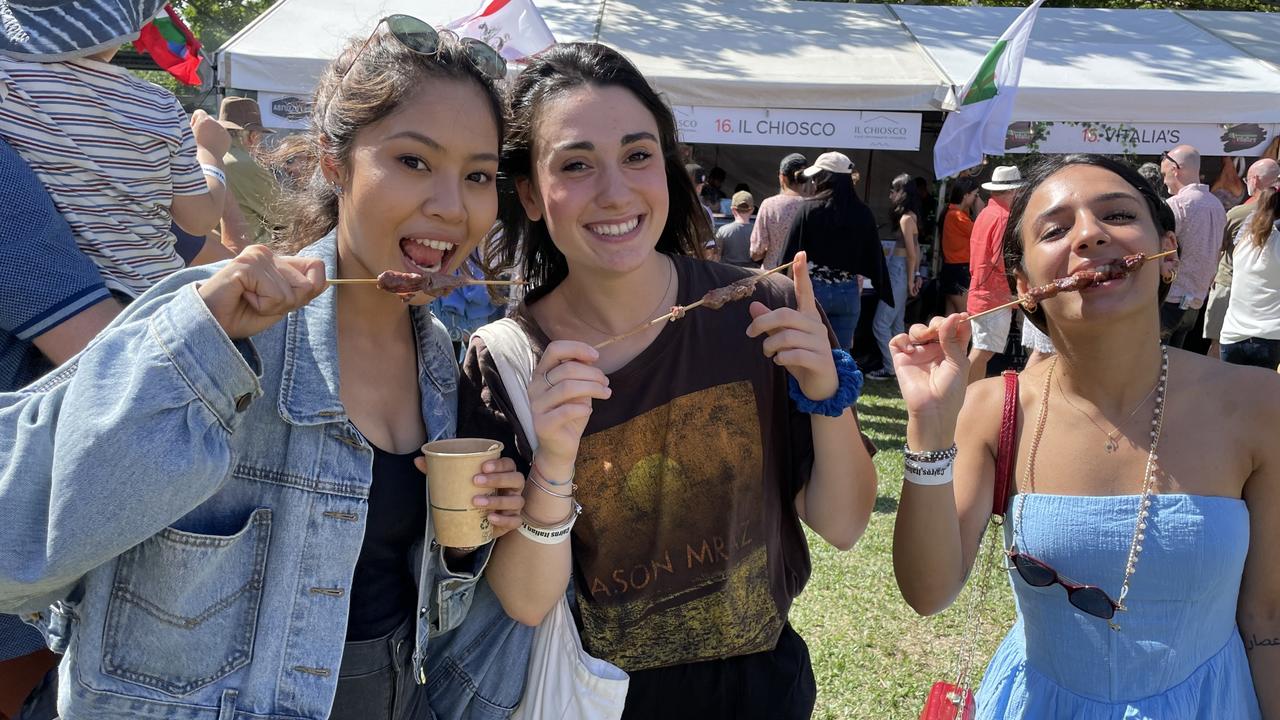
(691, 444)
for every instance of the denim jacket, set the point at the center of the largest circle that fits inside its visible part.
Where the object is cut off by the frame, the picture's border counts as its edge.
(188, 535)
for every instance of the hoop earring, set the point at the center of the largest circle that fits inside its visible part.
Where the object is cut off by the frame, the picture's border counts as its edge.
(1168, 278)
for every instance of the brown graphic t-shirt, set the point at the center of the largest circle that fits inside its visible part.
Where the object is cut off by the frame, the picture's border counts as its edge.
(689, 547)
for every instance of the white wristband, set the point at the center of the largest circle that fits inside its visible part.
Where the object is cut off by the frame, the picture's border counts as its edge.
(933, 473)
(547, 536)
(214, 172)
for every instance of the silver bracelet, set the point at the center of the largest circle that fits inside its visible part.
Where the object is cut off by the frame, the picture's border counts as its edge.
(928, 456)
(214, 172)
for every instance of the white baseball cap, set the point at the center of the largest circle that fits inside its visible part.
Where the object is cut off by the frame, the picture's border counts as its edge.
(831, 162)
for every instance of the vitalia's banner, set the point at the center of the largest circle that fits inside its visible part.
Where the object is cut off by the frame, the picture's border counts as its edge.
(1249, 139)
(851, 129)
(284, 111)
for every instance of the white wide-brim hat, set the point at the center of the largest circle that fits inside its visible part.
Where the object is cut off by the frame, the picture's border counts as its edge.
(1005, 177)
(54, 30)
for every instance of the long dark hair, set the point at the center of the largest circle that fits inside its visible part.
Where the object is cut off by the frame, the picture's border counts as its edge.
(835, 191)
(1266, 211)
(902, 194)
(563, 68)
(1161, 215)
(383, 76)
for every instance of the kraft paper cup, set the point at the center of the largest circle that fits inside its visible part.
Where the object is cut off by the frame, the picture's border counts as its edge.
(451, 469)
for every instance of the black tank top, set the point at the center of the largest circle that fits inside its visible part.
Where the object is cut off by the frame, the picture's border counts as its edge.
(383, 593)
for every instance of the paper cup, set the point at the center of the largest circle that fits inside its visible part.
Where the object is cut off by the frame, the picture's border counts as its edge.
(452, 466)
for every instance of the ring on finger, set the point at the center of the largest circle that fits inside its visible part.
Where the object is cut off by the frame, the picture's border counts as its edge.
(546, 376)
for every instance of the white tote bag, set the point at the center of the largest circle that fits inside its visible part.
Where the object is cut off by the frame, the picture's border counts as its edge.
(563, 682)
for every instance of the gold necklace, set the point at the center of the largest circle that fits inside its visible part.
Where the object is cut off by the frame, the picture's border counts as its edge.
(671, 273)
(1148, 479)
(1111, 445)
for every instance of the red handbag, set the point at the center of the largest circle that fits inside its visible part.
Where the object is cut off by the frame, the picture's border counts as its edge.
(954, 700)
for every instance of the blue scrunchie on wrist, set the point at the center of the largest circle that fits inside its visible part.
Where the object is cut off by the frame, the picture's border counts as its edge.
(846, 395)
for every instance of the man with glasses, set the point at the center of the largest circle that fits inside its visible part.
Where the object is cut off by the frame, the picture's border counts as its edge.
(1201, 221)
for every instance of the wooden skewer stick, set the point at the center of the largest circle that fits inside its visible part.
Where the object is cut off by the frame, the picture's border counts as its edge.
(1018, 300)
(670, 315)
(374, 281)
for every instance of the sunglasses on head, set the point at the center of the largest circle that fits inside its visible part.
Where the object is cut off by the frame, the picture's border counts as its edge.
(1166, 156)
(1086, 598)
(419, 37)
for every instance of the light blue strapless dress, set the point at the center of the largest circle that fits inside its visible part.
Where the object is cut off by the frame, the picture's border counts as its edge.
(1178, 654)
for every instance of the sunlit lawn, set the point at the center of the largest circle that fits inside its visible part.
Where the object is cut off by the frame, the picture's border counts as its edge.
(872, 655)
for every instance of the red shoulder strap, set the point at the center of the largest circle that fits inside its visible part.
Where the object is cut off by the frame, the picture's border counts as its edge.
(1005, 450)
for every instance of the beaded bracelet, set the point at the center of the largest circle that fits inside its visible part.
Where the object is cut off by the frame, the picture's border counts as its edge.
(928, 456)
(850, 387)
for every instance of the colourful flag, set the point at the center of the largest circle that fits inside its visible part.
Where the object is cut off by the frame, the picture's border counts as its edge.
(512, 27)
(979, 125)
(172, 45)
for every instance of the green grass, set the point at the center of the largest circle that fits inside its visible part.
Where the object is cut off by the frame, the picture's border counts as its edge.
(873, 657)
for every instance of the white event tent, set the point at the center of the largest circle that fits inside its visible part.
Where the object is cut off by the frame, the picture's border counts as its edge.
(795, 74)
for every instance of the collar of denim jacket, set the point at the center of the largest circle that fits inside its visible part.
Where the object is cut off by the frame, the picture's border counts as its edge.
(309, 381)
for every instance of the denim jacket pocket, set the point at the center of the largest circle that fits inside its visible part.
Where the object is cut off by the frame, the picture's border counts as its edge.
(185, 590)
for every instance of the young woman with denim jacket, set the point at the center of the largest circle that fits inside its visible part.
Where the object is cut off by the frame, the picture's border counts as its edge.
(192, 501)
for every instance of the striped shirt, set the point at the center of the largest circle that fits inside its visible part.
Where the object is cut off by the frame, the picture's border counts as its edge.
(113, 151)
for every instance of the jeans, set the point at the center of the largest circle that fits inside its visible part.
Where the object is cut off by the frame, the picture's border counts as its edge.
(376, 680)
(1259, 352)
(842, 302)
(889, 320)
(1176, 323)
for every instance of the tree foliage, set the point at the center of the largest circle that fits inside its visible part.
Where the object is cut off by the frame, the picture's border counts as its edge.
(215, 21)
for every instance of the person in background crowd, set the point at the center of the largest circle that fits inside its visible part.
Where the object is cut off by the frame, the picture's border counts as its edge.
(1036, 341)
(1251, 329)
(988, 283)
(698, 177)
(1150, 473)
(1201, 222)
(712, 192)
(54, 303)
(776, 213)
(733, 241)
(1151, 173)
(928, 209)
(286, 161)
(957, 232)
(139, 165)
(690, 430)
(838, 232)
(254, 187)
(284, 562)
(1263, 174)
(742, 187)
(903, 258)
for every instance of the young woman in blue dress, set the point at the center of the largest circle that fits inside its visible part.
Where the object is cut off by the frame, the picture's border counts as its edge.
(1142, 531)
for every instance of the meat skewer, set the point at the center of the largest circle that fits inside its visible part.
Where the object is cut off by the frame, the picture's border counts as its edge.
(713, 299)
(1076, 282)
(405, 284)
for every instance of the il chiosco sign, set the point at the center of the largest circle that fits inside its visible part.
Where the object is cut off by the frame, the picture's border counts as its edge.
(801, 128)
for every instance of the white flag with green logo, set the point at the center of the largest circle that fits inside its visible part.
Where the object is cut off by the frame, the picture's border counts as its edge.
(979, 125)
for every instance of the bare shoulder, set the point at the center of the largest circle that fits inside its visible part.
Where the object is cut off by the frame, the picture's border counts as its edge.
(980, 417)
(1246, 398)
